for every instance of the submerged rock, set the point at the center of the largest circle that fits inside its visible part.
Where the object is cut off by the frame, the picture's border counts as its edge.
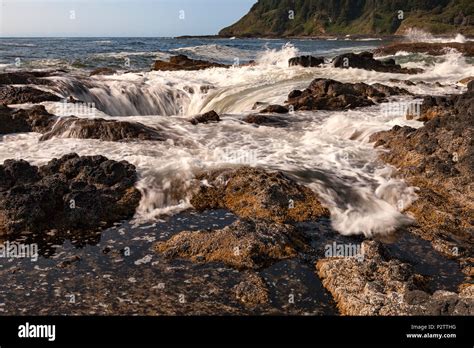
(256, 193)
(245, 244)
(379, 285)
(68, 194)
(207, 117)
(99, 128)
(182, 62)
(275, 109)
(264, 120)
(327, 94)
(365, 60)
(103, 71)
(21, 95)
(306, 61)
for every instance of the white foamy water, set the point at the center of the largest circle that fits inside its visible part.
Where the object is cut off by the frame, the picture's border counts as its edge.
(419, 35)
(328, 151)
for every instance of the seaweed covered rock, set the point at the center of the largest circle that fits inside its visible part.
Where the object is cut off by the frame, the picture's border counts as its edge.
(246, 244)
(256, 193)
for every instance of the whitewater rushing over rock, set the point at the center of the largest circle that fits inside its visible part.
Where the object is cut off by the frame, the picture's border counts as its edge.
(328, 151)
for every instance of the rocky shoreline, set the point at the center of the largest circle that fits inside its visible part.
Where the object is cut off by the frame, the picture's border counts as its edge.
(276, 220)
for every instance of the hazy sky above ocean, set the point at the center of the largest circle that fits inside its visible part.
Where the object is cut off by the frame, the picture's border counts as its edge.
(101, 18)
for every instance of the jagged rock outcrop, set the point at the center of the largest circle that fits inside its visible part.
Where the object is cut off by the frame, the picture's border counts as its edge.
(439, 159)
(327, 94)
(71, 193)
(34, 119)
(379, 285)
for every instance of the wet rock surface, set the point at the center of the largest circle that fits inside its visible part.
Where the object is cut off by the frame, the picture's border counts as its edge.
(25, 78)
(207, 117)
(256, 193)
(37, 119)
(107, 280)
(327, 94)
(365, 60)
(34, 119)
(306, 61)
(381, 285)
(25, 94)
(98, 128)
(182, 62)
(70, 193)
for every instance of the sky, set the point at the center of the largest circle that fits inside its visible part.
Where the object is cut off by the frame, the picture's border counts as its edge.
(106, 18)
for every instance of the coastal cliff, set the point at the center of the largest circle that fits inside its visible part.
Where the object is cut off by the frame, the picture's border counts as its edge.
(288, 18)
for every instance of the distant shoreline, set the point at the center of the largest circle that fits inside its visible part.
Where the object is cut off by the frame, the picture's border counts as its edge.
(321, 37)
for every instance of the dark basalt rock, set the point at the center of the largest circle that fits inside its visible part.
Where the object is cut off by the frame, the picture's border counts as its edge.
(98, 128)
(21, 95)
(365, 60)
(25, 78)
(327, 94)
(306, 61)
(68, 194)
(182, 62)
(35, 119)
(207, 117)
